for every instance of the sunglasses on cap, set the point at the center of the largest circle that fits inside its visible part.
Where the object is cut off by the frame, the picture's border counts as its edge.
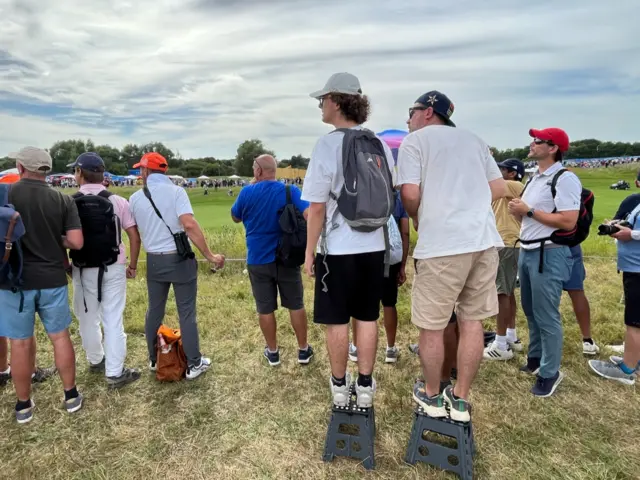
(539, 141)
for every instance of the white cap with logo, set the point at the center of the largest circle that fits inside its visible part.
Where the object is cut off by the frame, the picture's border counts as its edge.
(33, 159)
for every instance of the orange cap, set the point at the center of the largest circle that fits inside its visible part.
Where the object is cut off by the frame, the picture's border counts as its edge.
(154, 161)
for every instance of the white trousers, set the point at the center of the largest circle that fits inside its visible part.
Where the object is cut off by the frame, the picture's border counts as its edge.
(109, 312)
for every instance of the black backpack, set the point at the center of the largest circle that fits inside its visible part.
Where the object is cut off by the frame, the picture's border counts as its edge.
(11, 258)
(102, 234)
(579, 232)
(293, 241)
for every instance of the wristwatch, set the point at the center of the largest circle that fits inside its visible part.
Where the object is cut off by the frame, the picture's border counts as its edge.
(531, 212)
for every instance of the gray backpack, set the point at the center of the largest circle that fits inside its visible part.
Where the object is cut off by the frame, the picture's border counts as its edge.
(366, 200)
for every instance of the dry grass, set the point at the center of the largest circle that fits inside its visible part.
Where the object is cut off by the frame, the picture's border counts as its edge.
(246, 420)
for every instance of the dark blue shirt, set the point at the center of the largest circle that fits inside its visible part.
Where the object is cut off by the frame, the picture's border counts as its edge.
(399, 212)
(258, 206)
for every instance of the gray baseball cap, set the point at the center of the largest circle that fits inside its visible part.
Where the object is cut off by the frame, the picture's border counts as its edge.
(33, 159)
(340, 83)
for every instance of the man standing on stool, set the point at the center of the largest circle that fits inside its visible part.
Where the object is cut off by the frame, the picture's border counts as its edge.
(349, 270)
(545, 266)
(456, 254)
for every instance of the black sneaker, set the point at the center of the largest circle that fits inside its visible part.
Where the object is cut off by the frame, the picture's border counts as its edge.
(532, 366)
(4, 378)
(97, 367)
(129, 375)
(304, 356)
(545, 387)
(272, 358)
(43, 374)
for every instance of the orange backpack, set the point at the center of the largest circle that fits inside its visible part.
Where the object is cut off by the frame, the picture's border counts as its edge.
(171, 361)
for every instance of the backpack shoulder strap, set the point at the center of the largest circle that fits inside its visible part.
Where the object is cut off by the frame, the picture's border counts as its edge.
(77, 195)
(288, 189)
(4, 194)
(554, 181)
(105, 194)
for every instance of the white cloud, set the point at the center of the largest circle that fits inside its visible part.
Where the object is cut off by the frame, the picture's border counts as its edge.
(204, 75)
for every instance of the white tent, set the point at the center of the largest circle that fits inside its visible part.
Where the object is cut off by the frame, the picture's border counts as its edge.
(203, 177)
(7, 172)
(131, 177)
(234, 177)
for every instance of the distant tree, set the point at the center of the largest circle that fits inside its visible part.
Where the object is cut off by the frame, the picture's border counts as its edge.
(131, 154)
(65, 152)
(247, 153)
(110, 155)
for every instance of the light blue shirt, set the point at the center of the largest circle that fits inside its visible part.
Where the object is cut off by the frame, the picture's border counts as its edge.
(629, 252)
(172, 201)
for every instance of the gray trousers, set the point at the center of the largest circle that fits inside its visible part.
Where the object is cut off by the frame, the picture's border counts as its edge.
(162, 272)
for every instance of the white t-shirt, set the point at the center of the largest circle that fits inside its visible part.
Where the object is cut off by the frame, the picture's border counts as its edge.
(453, 168)
(172, 201)
(324, 175)
(537, 195)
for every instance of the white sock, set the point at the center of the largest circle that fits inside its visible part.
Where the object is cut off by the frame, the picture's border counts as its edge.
(272, 351)
(390, 348)
(501, 342)
(7, 371)
(511, 335)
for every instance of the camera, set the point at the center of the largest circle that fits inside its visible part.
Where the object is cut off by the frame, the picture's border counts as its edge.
(611, 228)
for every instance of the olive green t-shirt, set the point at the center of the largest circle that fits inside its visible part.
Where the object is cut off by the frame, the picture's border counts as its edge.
(47, 215)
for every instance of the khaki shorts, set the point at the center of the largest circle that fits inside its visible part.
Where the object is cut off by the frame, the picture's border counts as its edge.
(466, 283)
(507, 270)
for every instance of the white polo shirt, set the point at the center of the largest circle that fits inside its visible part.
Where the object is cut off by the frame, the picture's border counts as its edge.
(538, 196)
(172, 201)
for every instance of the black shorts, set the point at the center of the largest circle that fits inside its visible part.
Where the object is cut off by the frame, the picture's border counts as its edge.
(268, 279)
(354, 287)
(631, 286)
(390, 286)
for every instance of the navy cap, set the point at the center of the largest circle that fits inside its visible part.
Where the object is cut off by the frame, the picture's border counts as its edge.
(440, 103)
(513, 165)
(90, 161)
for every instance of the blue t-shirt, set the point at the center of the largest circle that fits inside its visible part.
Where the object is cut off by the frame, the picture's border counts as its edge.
(399, 212)
(258, 206)
(629, 252)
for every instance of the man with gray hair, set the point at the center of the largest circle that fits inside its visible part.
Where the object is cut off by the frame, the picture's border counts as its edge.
(259, 207)
(52, 225)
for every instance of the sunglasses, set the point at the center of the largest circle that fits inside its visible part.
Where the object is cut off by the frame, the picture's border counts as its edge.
(538, 141)
(413, 110)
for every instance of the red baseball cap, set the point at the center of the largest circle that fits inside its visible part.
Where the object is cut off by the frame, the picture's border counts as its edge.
(154, 161)
(557, 136)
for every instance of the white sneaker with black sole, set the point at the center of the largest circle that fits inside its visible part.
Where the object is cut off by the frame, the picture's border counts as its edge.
(197, 370)
(493, 352)
(590, 348)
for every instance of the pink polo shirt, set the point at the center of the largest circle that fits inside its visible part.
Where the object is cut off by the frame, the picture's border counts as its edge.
(121, 208)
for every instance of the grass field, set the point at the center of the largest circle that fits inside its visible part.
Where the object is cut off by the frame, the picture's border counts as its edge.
(246, 420)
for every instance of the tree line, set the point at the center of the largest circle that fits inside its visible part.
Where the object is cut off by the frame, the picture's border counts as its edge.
(120, 161)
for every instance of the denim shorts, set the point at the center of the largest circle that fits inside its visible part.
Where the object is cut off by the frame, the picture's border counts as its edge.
(578, 272)
(51, 305)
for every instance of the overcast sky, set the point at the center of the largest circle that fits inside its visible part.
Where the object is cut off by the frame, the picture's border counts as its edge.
(204, 75)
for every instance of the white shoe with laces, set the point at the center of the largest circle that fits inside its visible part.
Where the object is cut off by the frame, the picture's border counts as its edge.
(341, 393)
(590, 348)
(197, 370)
(493, 352)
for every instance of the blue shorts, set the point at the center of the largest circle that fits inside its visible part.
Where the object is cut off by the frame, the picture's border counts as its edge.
(51, 305)
(578, 272)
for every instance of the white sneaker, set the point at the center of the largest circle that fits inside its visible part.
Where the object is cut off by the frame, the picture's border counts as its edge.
(364, 395)
(590, 348)
(152, 366)
(353, 353)
(515, 346)
(341, 394)
(616, 348)
(196, 371)
(493, 352)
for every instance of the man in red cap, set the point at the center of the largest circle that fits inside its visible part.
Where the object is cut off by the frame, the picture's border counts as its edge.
(545, 266)
(165, 219)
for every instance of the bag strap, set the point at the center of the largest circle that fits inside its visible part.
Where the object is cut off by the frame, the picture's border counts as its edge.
(105, 193)
(554, 181)
(147, 194)
(4, 195)
(288, 188)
